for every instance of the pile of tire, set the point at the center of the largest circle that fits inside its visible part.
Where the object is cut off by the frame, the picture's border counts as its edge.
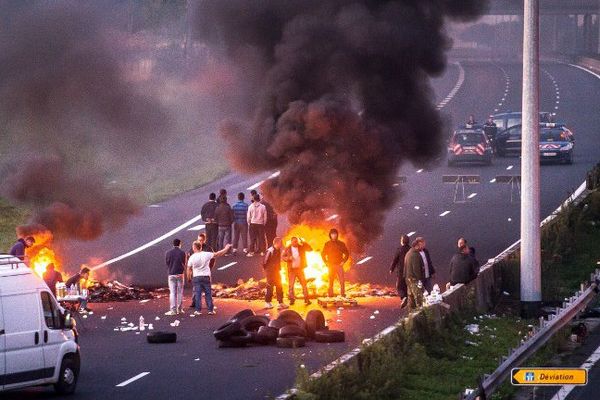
(288, 330)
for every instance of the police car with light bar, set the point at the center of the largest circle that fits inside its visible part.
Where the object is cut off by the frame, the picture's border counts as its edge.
(469, 143)
(556, 142)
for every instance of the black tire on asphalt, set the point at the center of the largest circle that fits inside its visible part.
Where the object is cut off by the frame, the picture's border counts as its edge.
(330, 336)
(291, 317)
(277, 324)
(241, 315)
(254, 322)
(226, 330)
(315, 321)
(161, 337)
(266, 335)
(68, 375)
(291, 342)
(242, 337)
(292, 330)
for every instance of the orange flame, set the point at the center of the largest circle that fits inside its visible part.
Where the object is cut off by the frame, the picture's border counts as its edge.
(316, 271)
(41, 259)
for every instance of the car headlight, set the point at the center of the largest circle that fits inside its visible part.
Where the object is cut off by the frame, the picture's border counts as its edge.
(567, 147)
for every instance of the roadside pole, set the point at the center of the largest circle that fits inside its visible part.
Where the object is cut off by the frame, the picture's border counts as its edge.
(531, 282)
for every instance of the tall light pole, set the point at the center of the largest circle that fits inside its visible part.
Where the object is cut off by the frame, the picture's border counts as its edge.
(531, 272)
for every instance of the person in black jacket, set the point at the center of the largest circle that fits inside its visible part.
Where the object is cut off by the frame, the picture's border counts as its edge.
(398, 265)
(176, 261)
(272, 266)
(224, 220)
(334, 255)
(463, 268)
(208, 216)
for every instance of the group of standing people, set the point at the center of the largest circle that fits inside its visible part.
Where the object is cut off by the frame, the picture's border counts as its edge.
(251, 225)
(415, 270)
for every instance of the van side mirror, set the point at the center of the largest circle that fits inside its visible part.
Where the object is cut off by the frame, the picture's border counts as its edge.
(67, 320)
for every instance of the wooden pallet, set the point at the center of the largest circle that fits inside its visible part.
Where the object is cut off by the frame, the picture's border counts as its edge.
(326, 302)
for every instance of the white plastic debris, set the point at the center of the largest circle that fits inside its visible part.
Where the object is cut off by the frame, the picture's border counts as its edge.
(417, 208)
(196, 359)
(103, 317)
(302, 366)
(85, 316)
(471, 343)
(510, 219)
(123, 319)
(157, 319)
(376, 312)
(150, 327)
(372, 317)
(472, 328)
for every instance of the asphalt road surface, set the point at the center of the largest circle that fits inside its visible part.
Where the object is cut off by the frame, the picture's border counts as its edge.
(488, 220)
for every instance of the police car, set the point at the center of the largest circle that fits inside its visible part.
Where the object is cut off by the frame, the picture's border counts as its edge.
(556, 144)
(469, 143)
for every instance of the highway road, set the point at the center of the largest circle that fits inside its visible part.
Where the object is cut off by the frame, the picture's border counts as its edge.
(488, 220)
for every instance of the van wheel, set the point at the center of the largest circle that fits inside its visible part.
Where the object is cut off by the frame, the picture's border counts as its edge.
(67, 377)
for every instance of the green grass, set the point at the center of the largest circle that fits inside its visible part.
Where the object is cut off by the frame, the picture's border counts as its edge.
(10, 217)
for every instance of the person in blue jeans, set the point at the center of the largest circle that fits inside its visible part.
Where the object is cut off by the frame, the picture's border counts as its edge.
(175, 260)
(199, 272)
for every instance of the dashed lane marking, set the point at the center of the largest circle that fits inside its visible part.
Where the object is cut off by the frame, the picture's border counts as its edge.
(135, 378)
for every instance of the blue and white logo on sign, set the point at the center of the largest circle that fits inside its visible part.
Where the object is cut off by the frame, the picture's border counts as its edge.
(529, 376)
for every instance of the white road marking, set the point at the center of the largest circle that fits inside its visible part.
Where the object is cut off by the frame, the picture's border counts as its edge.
(255, 186)
(417, 207)
(332, 217)
(135, 378)
(409, 234)
(455, 89)
(149, 244)
(419, 171)
(231, 264)
(274, 175)
(197, 228)
(364, 260)
(396, 184)
(444, 213)
(509, 167)
(472, 195)
(154, 206)
(588, 364)
(495, 110)
(493, 180)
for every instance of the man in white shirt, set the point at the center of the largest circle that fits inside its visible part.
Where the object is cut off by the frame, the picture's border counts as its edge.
(199, 272)
(257, 218)
(295, 256)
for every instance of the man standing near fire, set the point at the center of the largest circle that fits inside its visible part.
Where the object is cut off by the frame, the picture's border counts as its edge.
(272, 266)
(18, 249)
(256, 218)
(208, 216)
(398, 265)
(295, 256)
(335, 254)
(76, 281)
(414, 274)
(200, 270)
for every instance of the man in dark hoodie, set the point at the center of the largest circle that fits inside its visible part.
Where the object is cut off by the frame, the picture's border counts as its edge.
(224, 219)
(334, 255)
(272, 266)
(18, 249)
(463, 268)
(414, 273)
(208, 216)
(398, 265)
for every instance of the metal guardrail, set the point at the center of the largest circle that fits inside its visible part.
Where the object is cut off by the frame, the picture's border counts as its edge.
(547, 328)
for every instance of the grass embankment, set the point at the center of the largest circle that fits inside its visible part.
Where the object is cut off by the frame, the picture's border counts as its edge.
(10, 217)
(418, 361)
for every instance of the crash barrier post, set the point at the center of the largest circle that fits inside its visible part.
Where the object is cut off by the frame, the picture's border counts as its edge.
(540, 335)
(515, 184)
(459, 182)
(455, 298)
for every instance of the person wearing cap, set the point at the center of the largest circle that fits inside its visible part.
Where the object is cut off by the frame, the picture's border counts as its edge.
(18, 249)
(335, 254)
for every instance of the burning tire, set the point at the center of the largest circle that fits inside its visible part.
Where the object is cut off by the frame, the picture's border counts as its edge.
(291, 342)
(67, 376)
(161, 337)
(253, 323)
(292, 331)
(241, 315)
(226, 330)
(266, 335)
(291, 317)
(330, 336)
(315, 321)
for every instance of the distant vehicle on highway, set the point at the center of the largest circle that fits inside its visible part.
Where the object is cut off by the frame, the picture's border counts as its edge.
(556, 142)
(469, 144)
(38, 341)
(507, 120)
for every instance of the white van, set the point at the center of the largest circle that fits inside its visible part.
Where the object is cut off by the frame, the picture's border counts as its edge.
(38, 340)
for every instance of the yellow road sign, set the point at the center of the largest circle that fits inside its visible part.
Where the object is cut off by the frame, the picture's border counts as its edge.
(549, 376)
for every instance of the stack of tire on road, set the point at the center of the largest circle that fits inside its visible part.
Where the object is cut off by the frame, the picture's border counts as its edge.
(289, 330)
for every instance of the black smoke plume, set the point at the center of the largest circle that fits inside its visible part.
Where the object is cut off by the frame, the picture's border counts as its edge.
(344, 99)
(62, 90)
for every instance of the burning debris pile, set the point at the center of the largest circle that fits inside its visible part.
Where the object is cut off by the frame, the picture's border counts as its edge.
(255, 290)
(112, 291)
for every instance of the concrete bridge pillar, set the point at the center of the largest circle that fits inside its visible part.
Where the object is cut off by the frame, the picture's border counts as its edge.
(588, 46)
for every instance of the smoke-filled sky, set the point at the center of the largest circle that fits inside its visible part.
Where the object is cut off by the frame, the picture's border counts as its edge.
(343, 98)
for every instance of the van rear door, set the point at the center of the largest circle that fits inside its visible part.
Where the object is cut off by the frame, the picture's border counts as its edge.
(24, 350)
